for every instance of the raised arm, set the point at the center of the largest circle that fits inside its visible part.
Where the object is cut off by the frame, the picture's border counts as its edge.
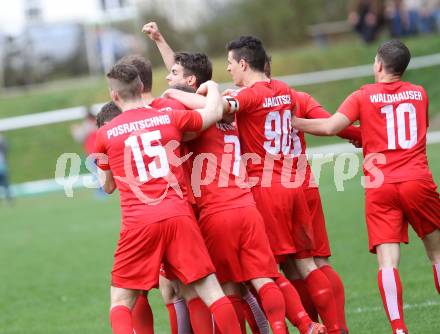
(212, 112)
(152, 31)
(322, 126)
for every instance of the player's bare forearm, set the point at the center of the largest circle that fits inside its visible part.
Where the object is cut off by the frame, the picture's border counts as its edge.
(213, 110)
(191, 100)
(107, 181)
(352, 133)
(322, 126)
(166, 52)
(152, 31)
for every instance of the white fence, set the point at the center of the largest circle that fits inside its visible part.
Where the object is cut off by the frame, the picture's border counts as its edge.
(69, 114)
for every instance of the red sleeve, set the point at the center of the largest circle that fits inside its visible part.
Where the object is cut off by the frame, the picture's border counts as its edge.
(243, 100)
(425, 96)
(162, 104)
(351, 107)
(187, 120)
(101, 150)
(314, 110)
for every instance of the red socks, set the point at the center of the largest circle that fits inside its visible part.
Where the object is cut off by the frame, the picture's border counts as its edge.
(321, 293)
(272, 301)
(236, 303)
(174, 329)
(142, 316)
(224, 316)
(294, 309)
(120, 320)
(200, 317)
(300, 286)
(338, 292)
(391, 292)
(436, 268)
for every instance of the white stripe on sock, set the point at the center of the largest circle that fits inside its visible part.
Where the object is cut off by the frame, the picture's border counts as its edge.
(390, 289)
(437, 269)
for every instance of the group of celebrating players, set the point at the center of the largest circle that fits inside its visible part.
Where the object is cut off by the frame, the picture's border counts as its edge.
(216, 194)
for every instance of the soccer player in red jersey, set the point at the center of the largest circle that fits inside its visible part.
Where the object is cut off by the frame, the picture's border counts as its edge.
(264, 109)
(187, 73)
(308, 107)
(399, 185)
(108, 111)
(141, 313)
(230, 223)
(157, 225)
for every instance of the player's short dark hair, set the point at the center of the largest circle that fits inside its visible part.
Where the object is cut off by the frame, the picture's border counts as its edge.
(268, 66)
(250, 49)
(124, 79)
(395, 56)
(197, 64)
(108, 111)
(143, 67)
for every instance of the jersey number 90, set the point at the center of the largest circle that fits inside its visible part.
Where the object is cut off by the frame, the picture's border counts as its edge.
(281, 137)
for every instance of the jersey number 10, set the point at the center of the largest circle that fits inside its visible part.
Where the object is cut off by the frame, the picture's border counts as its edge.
(401, 110)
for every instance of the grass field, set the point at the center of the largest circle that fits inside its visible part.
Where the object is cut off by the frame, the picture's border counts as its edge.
(47, 143)
(56, 254)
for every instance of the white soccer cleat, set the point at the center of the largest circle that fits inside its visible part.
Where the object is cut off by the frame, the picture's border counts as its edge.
(400, 331)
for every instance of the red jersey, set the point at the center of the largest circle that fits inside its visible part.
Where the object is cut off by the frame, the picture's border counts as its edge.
(166, 104)
(308, 107)
(264, 113)
(216, 161)
(89, 142)
(394, 122)
(140, 145)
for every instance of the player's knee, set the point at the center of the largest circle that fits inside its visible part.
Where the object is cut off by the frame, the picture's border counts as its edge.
(305, 266)
(124, 297)
(231, 289)
(322, 261)
(258, 283)
(208, 288)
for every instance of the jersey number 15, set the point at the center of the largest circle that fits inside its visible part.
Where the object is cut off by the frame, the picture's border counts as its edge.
(151, 151)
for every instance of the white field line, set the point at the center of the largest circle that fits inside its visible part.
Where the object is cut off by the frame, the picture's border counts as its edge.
(373, 309)
(63, 115)
(50, 185)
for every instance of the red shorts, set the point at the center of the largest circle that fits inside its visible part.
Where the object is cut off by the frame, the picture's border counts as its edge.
(177, 242)
(287, 220)
(392, 206)
(238, 245)
(322, 245)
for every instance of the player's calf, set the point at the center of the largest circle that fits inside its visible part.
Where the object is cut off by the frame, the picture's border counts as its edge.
(320, 291)
(432, 246)
(122, 301)
(273, 304)
(209, 290)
